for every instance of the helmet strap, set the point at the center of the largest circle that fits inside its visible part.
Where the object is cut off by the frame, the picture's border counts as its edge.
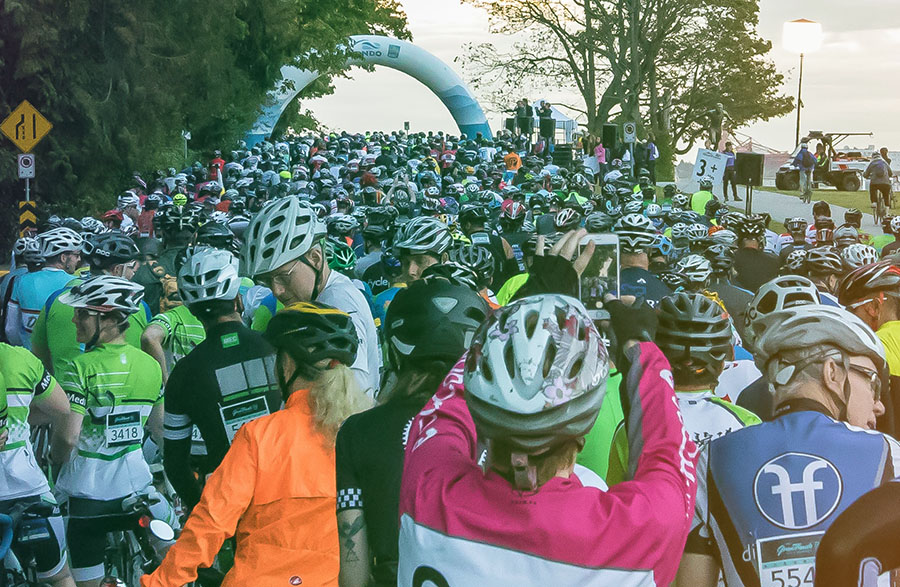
(91, 343)
(316, 272)
(524, 473)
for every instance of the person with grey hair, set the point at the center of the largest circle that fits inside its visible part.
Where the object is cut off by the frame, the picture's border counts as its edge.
(774, 489)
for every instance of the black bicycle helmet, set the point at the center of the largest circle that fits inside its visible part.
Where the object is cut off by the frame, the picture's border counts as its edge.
(721, 257)
(750, 229)
(479, 259)
(796, 224)
(453, 273)
(672, 279)
(105, 250)
(695, 335)
(853, 216)
(868, 281)
(598, 222)
(215, 235)
(473, 213)
(310, 332)
(432, 319)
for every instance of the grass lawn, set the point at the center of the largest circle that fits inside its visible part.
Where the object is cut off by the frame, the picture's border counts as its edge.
(858, 199)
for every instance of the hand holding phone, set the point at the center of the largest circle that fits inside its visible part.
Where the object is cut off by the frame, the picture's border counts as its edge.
(600, 275)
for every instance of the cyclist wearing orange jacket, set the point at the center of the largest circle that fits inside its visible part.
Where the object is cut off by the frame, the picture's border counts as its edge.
(275, 490)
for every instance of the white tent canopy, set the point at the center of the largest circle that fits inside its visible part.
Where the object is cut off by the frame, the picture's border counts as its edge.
(563, 122)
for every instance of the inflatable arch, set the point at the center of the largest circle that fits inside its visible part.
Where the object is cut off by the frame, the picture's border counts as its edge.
(396, 54)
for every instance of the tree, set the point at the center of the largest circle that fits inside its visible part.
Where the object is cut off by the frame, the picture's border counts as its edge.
(119, 81)
(633, 60)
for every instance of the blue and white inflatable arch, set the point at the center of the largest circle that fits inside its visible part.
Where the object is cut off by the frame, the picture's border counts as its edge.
(396, 54)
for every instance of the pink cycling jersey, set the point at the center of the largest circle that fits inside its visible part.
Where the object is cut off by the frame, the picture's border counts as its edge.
(461, 526)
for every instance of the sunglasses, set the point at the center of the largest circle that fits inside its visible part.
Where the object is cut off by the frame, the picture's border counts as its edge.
(873, 377)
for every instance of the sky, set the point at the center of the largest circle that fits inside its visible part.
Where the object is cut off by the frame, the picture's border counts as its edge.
(849, 85)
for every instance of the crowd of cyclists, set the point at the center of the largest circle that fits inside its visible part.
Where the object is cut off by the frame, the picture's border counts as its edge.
(363, 359)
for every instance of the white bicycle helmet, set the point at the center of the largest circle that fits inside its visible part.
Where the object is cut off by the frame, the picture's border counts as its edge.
(282, 231)
(845, 236)
(724, 236)
(104, 294)
(696, 269)
(654, 210)
(209, 274)
(633, 207)
(635, 232)
(535, 376)
(782, 293)
(424, 234)
(22, 244)
(58, 241)
(128, 199)
(697, 232)
(219, 217)
(679, 201)
(810, 326)
(895, 224)
(795, 261)
(857, 255)
(91, 225)
(680, 233)
(567, 219)
(342, 224)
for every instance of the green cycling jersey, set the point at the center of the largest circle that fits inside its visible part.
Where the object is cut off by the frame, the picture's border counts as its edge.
(114, 387)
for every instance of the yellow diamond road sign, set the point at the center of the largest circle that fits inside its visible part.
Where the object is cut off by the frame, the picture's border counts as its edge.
(25, 126)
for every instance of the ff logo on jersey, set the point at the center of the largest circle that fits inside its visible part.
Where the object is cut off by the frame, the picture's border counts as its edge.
(797, 491)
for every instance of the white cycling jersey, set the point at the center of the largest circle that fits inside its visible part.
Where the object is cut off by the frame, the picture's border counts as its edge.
(707, 417)
(340, 292)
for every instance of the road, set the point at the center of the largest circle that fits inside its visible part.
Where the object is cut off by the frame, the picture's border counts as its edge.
(782, 206)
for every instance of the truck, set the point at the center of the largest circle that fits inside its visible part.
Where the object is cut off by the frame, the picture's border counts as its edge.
(842, 170)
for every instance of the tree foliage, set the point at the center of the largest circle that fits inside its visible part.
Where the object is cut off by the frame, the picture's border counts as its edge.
(662, 63)
(120, 80)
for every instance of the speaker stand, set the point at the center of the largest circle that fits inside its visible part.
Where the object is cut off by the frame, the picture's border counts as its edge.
(748, 198)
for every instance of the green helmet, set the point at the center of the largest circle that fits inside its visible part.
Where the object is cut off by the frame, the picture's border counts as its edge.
(339, 255)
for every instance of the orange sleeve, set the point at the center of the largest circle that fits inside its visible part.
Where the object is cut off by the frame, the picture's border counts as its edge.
(225, 498)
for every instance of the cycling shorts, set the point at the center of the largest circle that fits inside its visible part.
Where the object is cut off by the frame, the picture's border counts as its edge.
(89, 522)
(48, 549)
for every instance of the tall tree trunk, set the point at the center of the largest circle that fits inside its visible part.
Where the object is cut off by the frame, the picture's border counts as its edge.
(665, 165)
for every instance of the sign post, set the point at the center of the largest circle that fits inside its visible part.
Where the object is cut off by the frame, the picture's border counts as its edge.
(26, 172)
(630, 131)
(25, 127)
(27, 217)
(186, 135)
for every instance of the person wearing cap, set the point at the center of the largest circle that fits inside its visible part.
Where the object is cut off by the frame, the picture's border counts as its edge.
(774, 489)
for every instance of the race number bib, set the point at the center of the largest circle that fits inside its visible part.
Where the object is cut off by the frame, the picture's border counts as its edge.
(236, 415)
(480, 238)
(788, 561)
(124, 429)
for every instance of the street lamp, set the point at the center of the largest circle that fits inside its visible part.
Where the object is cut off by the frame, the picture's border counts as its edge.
(801, 36)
